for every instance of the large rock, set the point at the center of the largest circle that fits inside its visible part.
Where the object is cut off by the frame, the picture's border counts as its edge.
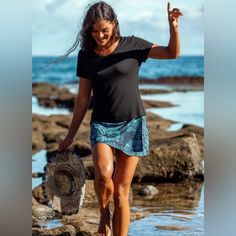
(157, 129)
(50, 95)
(172, 159)
(48, 131)
(199, 132)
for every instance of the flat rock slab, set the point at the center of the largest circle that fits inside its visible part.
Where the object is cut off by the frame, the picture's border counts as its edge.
(172, 159)
(171, 227)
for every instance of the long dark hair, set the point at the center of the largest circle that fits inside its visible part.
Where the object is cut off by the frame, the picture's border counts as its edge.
(97, 11)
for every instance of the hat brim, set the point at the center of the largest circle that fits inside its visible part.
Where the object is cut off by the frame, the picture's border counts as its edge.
(64, 183)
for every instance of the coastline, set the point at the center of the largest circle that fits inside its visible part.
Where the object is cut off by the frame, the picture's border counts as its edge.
(48, 131)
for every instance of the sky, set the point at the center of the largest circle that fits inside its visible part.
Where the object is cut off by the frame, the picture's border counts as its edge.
(55, 23)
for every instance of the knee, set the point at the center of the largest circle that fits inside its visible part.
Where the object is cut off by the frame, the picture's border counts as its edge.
(104, 180)
(121, 195)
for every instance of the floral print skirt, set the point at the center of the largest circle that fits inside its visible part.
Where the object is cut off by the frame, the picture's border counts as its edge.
(130, 136)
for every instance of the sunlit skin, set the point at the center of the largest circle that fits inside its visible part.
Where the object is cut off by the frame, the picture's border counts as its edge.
(105, 186)
(173, 49)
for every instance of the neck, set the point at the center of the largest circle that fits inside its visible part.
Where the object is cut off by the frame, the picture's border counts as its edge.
(105, 47)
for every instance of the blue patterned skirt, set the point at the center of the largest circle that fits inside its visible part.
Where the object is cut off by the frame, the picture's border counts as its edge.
(129, 136)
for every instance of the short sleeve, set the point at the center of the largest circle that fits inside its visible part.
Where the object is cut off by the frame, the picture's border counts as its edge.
(81, 70)
(142, 47)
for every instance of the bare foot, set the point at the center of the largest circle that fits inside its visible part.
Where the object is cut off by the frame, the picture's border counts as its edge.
(105, 224)
(108, 232)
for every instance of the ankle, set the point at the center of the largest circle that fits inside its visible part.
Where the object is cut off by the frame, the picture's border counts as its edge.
(104, 210)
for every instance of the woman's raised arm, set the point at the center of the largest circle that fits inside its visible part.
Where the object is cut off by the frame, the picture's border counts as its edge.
(173, 48)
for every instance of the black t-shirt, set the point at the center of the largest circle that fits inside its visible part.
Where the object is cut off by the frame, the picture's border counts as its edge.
(116, 95)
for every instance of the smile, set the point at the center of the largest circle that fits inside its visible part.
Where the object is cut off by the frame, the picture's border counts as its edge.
(101, 40)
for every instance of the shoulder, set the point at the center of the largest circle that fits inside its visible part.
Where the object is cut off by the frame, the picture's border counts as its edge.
(82, 54)
(133, 38)
(137, 42)
(130, 38)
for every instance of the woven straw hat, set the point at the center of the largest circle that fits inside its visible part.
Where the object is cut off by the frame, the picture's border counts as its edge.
(64, 182)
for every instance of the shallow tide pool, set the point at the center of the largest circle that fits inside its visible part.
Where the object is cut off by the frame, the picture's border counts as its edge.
(176, 205)
(188, 109)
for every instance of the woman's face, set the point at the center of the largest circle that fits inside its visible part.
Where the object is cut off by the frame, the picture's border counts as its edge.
(102, 32)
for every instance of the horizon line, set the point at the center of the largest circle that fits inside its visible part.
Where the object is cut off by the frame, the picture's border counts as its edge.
(44, 55)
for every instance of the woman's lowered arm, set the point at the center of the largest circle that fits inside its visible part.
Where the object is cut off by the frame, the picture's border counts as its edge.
(81, 105)
(80, 108)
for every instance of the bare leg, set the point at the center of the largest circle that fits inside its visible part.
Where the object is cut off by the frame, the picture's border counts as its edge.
(103, 184)
(124, 172)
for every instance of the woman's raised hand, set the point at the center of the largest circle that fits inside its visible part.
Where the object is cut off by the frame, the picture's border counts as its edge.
(173, 16)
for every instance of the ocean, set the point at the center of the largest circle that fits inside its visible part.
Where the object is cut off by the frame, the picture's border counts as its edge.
(64, 72)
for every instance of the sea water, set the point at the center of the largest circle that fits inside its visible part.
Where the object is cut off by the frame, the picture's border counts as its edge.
(65, 71)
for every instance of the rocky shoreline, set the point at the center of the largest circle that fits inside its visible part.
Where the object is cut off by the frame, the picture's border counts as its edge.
(174, 155)
(173, 80)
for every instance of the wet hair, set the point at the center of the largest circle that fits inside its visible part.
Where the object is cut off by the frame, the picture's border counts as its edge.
(97, 11)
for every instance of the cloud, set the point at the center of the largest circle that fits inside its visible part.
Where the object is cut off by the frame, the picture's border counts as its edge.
(53, 5)
(60, 20)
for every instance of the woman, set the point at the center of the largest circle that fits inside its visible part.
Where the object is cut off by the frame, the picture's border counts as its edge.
(109, 64)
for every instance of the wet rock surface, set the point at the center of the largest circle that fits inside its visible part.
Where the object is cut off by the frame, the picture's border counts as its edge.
(181, 196)
(174, 156)
(148, 191)
(171, 159)
(48, 131)
(84, 223)
(171, 227)
(156, 104)
(50, 95)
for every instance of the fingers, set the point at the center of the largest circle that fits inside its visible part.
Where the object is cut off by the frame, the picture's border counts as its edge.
(174, 12)
(177, 11)
(62, 147)
(168, 7)
(175, 15)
